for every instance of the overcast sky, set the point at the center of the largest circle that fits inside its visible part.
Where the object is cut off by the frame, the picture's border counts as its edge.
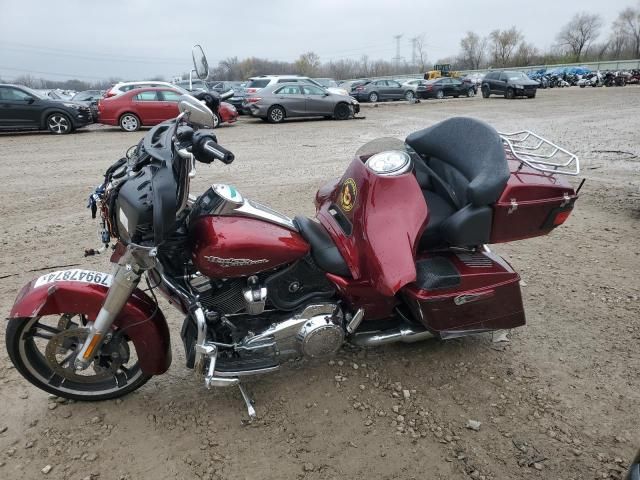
(134, 39)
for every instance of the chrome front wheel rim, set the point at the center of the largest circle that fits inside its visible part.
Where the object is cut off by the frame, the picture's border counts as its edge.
(58, 124)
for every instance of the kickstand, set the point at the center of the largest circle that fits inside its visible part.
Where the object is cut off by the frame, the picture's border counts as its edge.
(247, 400)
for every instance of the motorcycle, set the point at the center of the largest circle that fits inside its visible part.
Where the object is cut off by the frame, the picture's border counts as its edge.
(397, 252)
(591, 80)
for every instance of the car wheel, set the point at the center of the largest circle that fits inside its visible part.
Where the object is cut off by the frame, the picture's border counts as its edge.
(510, 94)
(342, 112)
(216, 120)
(485, 92)
(129, 122)
(471, 92)
(582, 85)
(409, 96)
(275, 114)
(439, 94)
(373, 97)
(533, 95)
(59, 124)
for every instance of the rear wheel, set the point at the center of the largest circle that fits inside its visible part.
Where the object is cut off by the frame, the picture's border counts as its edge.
(59, 124)
(129, 122)
(343, 112)
(43, 350)
(485, 92)
(439, 94)
(216, 120)
(471, 92)
(373, 97)
(276, 114)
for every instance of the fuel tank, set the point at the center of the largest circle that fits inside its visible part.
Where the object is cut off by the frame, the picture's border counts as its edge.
(231, 236)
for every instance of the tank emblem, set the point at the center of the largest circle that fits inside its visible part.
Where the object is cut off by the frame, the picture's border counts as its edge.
(348, 194)
(234, 262)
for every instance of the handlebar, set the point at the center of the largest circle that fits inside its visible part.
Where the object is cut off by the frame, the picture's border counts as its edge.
(206, 148)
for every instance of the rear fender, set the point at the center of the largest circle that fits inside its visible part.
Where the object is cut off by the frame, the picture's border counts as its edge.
(145, 325)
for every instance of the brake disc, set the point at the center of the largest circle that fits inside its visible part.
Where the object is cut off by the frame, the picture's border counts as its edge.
(63, 348)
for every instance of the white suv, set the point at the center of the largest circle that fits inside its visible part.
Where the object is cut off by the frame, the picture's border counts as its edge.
(257, 83)
(123, 87)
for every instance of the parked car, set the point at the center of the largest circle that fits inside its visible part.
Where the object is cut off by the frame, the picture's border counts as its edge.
(511, 84)
(445, 87)
(257, 83)
(326, 82)
(150, 106)
(276, 102)
(24, 109)
(193, 85)
(90, 99)
(55, 94)
(123, 87)
(239, 95)
(475, 78)
(351, 85)
(377, 90)
(412, 87)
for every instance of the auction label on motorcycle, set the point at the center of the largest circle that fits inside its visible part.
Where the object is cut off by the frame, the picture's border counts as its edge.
(75, 275)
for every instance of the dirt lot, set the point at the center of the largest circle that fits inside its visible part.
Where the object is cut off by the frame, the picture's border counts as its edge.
(559, 401)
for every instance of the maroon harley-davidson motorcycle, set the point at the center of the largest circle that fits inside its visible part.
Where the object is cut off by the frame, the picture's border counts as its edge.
(397, 252)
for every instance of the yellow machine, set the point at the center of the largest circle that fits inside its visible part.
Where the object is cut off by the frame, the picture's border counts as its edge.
(443, 70)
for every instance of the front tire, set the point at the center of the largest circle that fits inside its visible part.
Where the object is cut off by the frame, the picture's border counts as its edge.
(409, 96)
(485, 92)
(342, 112)
(59, 124)
(216, 120)
(26, 338)
(129, 122)
(276, 114)
(510, 94)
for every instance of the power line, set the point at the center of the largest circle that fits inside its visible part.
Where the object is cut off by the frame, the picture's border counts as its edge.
(397, 58)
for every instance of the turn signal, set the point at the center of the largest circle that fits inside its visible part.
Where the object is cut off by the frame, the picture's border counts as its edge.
(561, 217)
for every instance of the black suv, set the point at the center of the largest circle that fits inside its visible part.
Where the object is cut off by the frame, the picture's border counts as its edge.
(24, 109)
(508, 83)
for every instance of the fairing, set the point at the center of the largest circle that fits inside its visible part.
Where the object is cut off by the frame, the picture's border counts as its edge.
(375, 221)
(144, 322)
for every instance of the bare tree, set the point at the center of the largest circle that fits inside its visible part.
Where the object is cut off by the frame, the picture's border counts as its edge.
(580, 32)
(420, 46)
(503, 45)
(308, 64)
(629, 23)
(618, 40)
(474, 49)
(526, 54)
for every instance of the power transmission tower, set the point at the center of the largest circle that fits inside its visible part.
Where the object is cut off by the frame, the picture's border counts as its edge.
(414, 45)
(397, 58)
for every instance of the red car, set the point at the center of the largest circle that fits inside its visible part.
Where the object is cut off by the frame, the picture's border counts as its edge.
(148, 107)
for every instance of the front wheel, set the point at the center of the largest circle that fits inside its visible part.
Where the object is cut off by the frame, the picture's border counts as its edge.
(409, 96)
(510, 94)
(485, 92)
(343, 112)
(43, 350)
(216, 120)
(59, 124)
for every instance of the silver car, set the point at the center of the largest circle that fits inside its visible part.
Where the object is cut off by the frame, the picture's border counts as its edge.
(276, 102)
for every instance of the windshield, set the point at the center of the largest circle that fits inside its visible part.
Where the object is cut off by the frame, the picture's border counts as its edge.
(263, 82)
(518, 76)
(30, 91)
(326, 82)
(383, 144)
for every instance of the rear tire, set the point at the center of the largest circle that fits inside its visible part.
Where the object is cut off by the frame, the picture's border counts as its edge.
(59, 124)
(342, 112)
(373, 97)
(471, 92)
(34, 367)
(485, 92)
(275, 114)
(216, 120)
(129, 122)
(439, 94)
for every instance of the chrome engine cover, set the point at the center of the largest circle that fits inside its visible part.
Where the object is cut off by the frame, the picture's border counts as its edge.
(315, 331)
(320, 337)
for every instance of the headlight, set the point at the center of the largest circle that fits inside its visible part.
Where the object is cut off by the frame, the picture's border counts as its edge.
(73, 105)
(390, 163)
(518, 86)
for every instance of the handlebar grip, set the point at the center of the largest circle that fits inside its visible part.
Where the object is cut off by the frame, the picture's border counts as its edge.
(219, 152)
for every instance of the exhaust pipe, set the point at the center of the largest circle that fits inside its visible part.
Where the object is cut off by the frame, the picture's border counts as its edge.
(405, 334)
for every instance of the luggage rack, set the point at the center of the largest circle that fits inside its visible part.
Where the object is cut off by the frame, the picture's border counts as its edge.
(541, 154)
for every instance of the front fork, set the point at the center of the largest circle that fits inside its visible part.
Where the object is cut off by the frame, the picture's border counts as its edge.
(126, 276)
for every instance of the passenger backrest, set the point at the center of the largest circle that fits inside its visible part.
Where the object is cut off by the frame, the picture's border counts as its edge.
(466, 153)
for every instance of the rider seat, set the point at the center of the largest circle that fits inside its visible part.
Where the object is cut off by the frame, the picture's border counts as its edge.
(323, 249)
(462, 173)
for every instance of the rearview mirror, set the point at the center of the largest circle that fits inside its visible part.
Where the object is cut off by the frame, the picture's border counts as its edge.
(200, 64)
(196, 111)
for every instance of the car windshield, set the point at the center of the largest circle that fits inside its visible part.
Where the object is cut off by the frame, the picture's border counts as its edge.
(326, 82)
(258, 83)
(382, 144)
(518, 76)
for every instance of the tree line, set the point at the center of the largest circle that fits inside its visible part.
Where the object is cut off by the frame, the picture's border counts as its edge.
(582, 39)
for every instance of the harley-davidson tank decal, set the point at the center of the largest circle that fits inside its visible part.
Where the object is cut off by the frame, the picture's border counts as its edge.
(235, 262)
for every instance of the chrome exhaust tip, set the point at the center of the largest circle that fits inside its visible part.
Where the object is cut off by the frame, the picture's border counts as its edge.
(404, 334)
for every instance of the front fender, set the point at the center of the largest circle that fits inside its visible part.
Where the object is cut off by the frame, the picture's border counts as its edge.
(141, 318)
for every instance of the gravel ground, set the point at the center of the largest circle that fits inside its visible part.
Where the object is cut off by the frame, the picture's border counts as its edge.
(558, 401)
